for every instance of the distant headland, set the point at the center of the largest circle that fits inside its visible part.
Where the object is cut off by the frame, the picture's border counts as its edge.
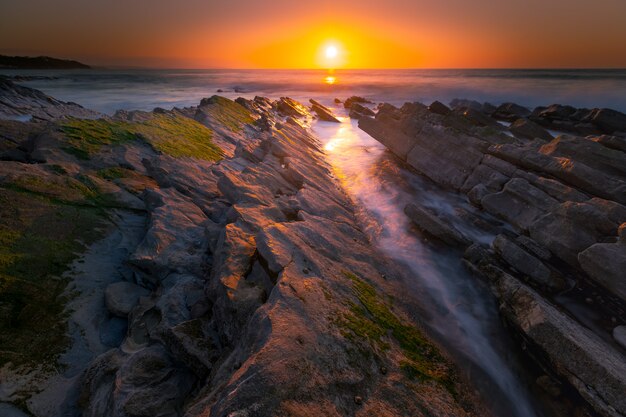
(39, 62)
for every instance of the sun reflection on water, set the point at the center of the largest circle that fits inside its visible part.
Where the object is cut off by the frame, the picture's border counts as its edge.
(330, 80)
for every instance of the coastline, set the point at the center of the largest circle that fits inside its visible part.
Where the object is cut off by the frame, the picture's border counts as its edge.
(250, 277)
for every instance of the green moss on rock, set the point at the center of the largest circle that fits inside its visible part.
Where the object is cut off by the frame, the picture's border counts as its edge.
(174, 135)
(226, 112)
(39, 238)
(372, 319)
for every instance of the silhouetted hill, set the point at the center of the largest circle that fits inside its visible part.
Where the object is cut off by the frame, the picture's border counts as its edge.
(40, 62)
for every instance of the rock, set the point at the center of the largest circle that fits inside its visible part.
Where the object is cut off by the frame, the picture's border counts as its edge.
(478, 118)
(355, 99)
(619, 334)
(594, 368)
(121, 297)
(434, 225)
(572, 227)
(606, 264)
(442, 154)
(519, 203)
(464, 104)
(609, 120)
(570, 171)
(557, 189)
(323, 112)
(526, 129)
(556, 111)
(18, 100)
(439, 108)
(357, 111)
(549, 385)
(526, 263)
(477, 193)
(588, 152)
(533, 247)
(486, 176)
(510, 112)
(290, 107)
(337, 101)
(613, 142)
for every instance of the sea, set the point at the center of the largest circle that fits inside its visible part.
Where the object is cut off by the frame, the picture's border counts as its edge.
(107, 90)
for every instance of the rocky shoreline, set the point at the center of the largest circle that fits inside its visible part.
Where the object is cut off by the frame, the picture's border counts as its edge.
(209, 263)
(250, 291)
(563, 198)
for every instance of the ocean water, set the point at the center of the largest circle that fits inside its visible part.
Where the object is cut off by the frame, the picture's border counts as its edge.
(109, 90)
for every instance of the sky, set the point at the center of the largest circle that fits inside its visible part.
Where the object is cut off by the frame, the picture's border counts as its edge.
(296, 33)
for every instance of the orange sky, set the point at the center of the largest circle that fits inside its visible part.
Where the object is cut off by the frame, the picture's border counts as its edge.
(291, 34)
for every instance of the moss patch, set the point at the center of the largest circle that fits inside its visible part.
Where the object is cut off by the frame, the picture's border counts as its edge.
(174, 135)
(38, 239)
(372, 319)
(113, 173)
(86, 137)
(227, 113)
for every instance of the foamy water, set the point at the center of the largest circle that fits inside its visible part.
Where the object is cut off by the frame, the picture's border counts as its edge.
(457, 307)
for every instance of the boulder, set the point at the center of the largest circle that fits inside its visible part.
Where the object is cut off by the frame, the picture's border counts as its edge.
(526, 263)
(464, 104)
(510, 112)
(609, 120)
(439, 108)
(476, 194)
(121, 297)
(354, 99)
(435, 225)
(526, 129)
(478, 118)
(556, 111)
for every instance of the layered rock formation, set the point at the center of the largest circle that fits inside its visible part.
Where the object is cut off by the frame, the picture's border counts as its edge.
(16, 101)
(563, 199)
(245, 288)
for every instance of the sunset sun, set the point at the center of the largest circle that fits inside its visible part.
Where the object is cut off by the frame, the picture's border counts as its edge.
(331, 52)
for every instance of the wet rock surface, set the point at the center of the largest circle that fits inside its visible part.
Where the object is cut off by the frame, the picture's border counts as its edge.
(562, 201)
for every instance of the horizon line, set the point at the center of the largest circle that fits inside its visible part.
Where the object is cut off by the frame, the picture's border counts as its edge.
(349, 69)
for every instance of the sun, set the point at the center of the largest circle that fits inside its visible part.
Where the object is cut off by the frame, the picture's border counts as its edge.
(331, 52)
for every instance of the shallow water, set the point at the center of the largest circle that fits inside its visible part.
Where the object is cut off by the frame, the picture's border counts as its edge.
(110, 90)
(456, 307)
